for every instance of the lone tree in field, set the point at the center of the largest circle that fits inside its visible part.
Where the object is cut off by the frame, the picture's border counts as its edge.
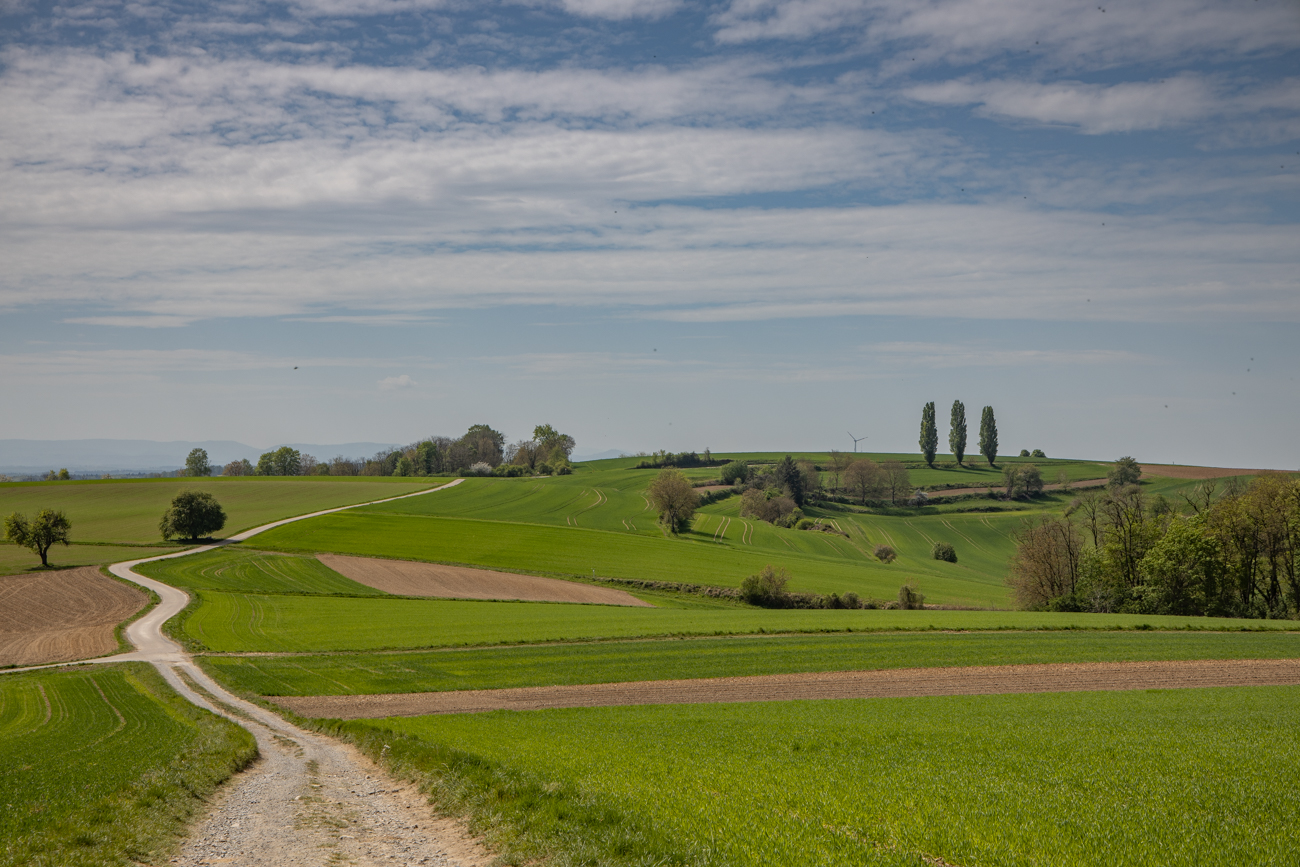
(957, 431)
(193, 514)
(1125, 472)
(48, 527)
(929, 433)
(989, 435)
(674, 499)
(197, 463)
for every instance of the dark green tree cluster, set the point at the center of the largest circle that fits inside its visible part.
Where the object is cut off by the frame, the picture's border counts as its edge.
(284, 461)
(1235, 555)
(192, 515)
(196, 464)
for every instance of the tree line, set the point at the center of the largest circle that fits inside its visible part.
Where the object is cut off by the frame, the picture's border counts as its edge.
(1220, 554)
(481, 450)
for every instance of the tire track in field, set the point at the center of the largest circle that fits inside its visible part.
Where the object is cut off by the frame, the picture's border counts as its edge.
(720, 534)
(924, 535)
(985, 521)
(976, 545)
(747, 535)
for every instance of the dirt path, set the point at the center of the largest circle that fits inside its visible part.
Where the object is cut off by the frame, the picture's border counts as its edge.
(309, 800)
(406, 578)
(892, 683)
(63, 615)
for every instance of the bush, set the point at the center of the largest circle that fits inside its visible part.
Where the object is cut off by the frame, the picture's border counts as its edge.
(805, 524)
(909, 598)
(564, 470)
(944, 551)
(884, 553)
(767, 588)
(509, 471)
(736, 471)
(482, 468)
(1038, 453)
(1024, 453)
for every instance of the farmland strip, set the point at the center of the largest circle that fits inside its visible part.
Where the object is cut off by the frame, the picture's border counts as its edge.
(894, 683)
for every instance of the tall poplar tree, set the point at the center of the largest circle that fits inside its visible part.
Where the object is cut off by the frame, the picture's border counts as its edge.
(989, 435)
(929, 433)
(957, 431)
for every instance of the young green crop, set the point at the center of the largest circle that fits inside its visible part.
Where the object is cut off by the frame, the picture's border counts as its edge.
(120, 510)
(1179, 777)
(235, 622)
(105, 766)
(580, 552)
(615, 661)
(240, 570)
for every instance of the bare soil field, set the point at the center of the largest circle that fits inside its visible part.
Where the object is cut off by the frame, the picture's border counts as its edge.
(406, 578)
(63, 615)
(894, 683)
(1178, 472)
(959, 492)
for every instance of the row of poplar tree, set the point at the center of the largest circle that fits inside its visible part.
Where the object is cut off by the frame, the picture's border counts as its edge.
(957, 433)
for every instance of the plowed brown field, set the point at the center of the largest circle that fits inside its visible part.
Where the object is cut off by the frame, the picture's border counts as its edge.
(406, 578)
(1173, 472)
(61, 616)
(974, 680)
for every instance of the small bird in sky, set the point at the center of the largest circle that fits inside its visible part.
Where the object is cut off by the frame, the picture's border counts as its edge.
(295, 367)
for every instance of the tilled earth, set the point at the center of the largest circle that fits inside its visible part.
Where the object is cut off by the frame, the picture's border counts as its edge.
(62, 615)
(408, 578)
(969, 680)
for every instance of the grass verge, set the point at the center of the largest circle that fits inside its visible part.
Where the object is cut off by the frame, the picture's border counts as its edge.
(105, 766)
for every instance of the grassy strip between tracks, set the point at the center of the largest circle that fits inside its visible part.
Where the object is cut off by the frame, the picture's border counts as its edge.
(238, 622)
(1180, 777)
(105, 765)
(609, 662)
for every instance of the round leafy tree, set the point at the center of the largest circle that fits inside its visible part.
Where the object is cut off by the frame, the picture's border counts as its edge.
(193, 515)
(40, 534)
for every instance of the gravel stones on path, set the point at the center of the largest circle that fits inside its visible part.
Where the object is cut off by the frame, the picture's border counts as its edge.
(890, 683)
(310, 801)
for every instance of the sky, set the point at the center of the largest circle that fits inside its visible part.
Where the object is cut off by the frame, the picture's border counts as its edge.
(739, 225)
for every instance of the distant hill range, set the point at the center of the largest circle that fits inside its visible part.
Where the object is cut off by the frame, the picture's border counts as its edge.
(79, 457)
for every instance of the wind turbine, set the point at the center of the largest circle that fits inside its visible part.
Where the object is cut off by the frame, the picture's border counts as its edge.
(856, 440)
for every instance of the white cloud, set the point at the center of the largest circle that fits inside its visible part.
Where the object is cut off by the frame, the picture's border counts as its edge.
(1093, 108)
(621, 9)
(1063, 35)
(394, 383)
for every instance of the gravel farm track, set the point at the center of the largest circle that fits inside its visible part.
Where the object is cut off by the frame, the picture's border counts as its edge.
(63, 615)
(407, 578)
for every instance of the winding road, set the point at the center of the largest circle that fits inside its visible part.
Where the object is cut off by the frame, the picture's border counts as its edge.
(308, 799)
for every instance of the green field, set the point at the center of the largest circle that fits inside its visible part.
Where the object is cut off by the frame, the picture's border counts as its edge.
(243, 622)
(239, 570)
(1182, 777)
(606, 554)
(610, 662)
(128, 510)
(15, 559)
(105, 765)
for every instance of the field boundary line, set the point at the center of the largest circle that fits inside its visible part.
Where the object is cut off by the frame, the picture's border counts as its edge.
(863, 684)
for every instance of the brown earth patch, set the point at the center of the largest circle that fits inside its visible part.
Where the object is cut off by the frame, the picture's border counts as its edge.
(406, 578)
(957, 492)
(893, 683)
(1178, 472)
(63, 615)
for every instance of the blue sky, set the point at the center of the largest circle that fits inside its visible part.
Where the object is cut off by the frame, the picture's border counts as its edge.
(755, 224)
